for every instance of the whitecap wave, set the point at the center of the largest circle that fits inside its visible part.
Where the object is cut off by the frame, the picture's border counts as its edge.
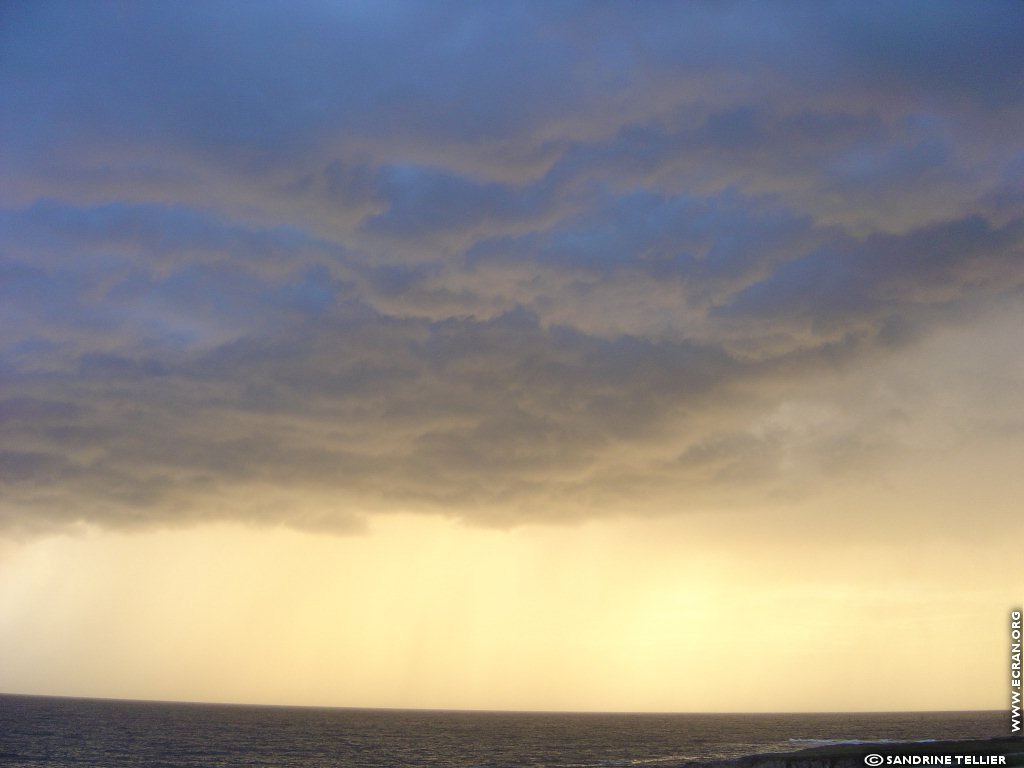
(836, 742)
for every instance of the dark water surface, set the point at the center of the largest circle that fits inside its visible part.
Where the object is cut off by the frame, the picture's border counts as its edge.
(46, 732)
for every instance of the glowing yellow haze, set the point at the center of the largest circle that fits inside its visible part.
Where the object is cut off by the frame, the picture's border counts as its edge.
(425, 612)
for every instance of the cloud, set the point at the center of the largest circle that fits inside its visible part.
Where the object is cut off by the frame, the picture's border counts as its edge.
(937, 265)
(503, 262)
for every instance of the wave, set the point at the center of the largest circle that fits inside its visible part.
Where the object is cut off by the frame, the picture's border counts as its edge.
(836, 742)
(849, 753)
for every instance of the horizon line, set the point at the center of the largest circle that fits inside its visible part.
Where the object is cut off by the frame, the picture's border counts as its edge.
(466, 710)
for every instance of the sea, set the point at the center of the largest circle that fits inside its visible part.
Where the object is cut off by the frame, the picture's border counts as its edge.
(50, 732)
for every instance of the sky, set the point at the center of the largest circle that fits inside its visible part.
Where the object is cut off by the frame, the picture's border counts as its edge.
(512, 355)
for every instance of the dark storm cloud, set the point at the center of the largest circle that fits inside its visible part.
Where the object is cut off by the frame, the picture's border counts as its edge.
(847, 281)
(267, 81)
(423, 201)
(467, 414)
(158, 231)
(297, 263)
(227, 80)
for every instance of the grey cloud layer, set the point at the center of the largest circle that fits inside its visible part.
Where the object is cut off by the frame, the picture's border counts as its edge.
(510, 262)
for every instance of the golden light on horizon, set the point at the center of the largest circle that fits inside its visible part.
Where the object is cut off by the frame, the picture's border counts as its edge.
(424, 612)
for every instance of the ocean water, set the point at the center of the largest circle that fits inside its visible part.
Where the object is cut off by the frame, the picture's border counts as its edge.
(45, 732)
